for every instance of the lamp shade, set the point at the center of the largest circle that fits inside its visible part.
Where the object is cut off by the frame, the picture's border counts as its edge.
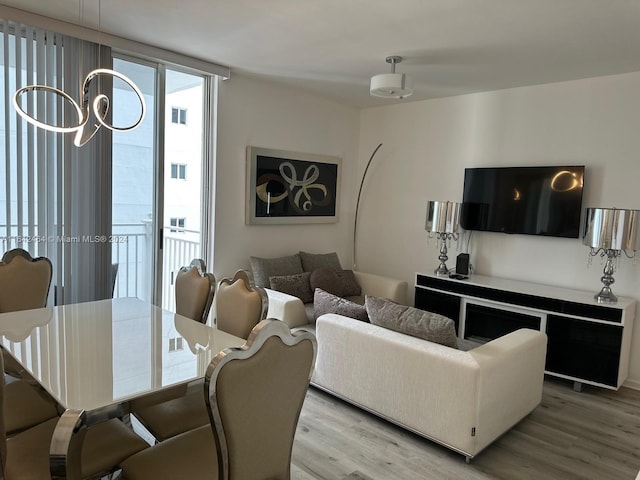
(612, 229)
(443, 217)
(391, 85)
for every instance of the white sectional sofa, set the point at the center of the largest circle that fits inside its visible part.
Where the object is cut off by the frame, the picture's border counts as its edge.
(461, 399)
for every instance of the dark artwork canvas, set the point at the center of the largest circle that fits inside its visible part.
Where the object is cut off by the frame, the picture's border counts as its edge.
(294, 188)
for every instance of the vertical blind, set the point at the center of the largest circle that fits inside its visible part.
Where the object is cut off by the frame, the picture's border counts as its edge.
(57, 198)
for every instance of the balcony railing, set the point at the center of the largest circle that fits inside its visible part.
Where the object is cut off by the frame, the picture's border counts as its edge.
(133, 251)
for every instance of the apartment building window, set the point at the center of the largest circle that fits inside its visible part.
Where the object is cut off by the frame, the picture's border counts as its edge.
(176, 222)
(179, 116)
(179, 170)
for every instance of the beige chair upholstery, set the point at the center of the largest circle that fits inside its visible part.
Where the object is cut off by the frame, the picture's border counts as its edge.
(194, 291)
(254, 395)
(26, 454)
(24, 281)
(26, 405)
(239, 305)
(24, 285)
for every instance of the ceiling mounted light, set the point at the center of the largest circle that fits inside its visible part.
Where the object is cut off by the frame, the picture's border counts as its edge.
(391, 85)
(100, 104)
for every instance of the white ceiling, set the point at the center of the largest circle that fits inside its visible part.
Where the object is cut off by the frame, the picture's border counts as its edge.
(333, 47)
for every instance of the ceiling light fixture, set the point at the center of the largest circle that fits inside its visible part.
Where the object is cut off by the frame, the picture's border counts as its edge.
(100, 104)
(391, 85)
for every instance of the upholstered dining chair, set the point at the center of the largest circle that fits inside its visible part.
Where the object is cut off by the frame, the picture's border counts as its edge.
(240, 306)
(194, 291)
(254, 396)
(174, 411)
(26, 454)
(24, 281)
(24, 285)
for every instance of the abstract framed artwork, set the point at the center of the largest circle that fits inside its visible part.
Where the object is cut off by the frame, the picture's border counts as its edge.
(291, 187)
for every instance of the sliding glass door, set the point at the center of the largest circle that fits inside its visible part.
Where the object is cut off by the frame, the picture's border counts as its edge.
(157, 181)
(183, 161)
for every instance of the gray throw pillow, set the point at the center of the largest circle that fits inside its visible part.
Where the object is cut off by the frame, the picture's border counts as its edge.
(313, 261)
(326, 278)
(263, 268)
(350, 286)
(411, 321)
(324, 302)
(297, 285)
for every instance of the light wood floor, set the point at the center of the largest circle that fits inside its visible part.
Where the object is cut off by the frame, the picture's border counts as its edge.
(592, 435)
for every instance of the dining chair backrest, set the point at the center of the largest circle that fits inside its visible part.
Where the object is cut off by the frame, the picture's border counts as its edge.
(24, 281)
(239, 305)
(254, 395)
(194, 291)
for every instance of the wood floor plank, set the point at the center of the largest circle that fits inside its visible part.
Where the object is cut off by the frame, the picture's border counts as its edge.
(589, 435)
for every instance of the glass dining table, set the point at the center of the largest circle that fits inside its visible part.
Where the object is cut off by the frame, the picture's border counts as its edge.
(94, 358)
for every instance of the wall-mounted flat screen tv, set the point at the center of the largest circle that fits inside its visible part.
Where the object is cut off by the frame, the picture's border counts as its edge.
(526, 200)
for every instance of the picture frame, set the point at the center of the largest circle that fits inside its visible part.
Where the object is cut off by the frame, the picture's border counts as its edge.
(285, 187)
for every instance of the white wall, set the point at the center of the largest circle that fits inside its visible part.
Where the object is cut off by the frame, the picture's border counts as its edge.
(427, 145)
(259, 113)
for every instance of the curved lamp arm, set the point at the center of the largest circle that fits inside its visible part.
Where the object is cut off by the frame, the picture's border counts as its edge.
(355, 220)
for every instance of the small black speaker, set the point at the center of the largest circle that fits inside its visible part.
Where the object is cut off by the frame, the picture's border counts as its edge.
(462, 264)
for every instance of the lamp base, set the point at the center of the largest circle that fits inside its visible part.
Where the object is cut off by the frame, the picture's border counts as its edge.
(442, 270)
(605, 296)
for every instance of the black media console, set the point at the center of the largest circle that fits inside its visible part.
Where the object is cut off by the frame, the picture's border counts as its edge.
(587, 342)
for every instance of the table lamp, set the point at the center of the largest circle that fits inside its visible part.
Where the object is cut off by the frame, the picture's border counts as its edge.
(610, 232)
(443, 220)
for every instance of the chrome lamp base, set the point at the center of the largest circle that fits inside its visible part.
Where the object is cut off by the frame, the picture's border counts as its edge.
(606, 295)
(442, 270)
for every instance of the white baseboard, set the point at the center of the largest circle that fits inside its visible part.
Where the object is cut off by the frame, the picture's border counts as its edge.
(634, 384)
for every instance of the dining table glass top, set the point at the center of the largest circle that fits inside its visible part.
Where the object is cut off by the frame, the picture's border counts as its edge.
(96, 354)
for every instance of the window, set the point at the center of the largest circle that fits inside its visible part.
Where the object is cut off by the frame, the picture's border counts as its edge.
(179, 116)
(179, 170)
(39, 191)
(176, 222)
(176, 344)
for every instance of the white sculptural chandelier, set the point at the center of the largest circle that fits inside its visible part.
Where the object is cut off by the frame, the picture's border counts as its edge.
(99, 106)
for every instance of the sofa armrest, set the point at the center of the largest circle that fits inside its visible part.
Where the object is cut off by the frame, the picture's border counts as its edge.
(384, 287)
(287, 308)
(510, 381)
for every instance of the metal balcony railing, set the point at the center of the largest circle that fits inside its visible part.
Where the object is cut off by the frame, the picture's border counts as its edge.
(133, 251)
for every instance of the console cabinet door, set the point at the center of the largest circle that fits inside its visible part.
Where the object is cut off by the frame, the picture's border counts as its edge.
(583, 349)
